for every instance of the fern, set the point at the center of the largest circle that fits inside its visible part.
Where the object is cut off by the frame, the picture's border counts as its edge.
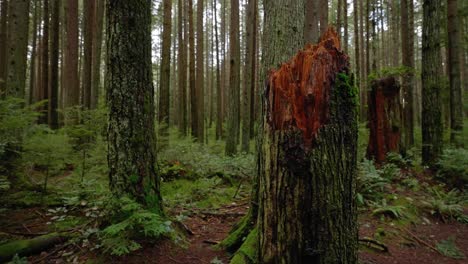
(446, 205)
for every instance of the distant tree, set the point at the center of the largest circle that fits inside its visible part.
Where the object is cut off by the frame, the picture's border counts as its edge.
(219, 91)
(89, 7)
(182, 65)
(44, 73)
(234, 82)
(3, 44)
(70, 56)
(96, 59)
(432, 128)
(18, 32)
(311, 22)
(200, 75)
(130, 97)
(456, 98)
(54, 65)
(164, 83)
(192, 79)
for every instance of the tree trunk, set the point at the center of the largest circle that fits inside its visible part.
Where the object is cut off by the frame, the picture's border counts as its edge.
(44, 94)
(32, 67)
(432, 129)
(456, 98)
(18, 32)
(345, 26)
(311, 22)
(385, 119)
(219, 91)
(130, 97)
(70, 62)
(3, 45)
(249, 73)
(363, 77)
(357, 49)
(164, 84)
(182, 65)
(54, 65)
(97, 50)
(88, 28)
(200, 79)
(192, 84)
(407, 50)
(323, 15)
(307, 160)
(234, 82)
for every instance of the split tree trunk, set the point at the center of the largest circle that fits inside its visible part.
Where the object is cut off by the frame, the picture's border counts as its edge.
(385, 119)
(307, 160)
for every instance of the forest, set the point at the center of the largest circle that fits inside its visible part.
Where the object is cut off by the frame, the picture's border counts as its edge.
(234, 131)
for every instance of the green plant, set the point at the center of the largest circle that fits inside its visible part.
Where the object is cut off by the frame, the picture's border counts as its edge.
(394, 211)
(370, 182)
(390, 171)
(449, 248)
(453, 167)
(130, 221)
(446, 205)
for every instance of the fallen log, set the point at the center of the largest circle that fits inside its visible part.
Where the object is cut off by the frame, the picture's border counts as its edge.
(28, 247)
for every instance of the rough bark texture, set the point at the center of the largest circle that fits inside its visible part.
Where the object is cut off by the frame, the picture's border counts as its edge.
(432, 129)
(182, 65)
(385, 119)
(54, 65)
(70, 56)
(307, 160)
(164, 84)
(456, 98)
(130, 97)
(18, 32)
(249, 73)
(234, 82)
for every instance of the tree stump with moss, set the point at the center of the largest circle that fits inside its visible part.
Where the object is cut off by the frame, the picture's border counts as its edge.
(385, 118)
(307, 159)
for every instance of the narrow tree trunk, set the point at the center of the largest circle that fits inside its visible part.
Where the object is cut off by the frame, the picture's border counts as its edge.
(54, 65)
(385, 119)
(3, 45)
(249, 74)
(97, 48)
(192, 87)
(234, 82)
(219, 91)
(70, 62)
(456, 98)
(130, 98)
(432, 128)
(200, 79)
(86, 80)
(311, 22)
(345, 26)
(357, 49)
(164, 84)
(45, 62)
(32, 67)
(307, 160)
(18, 32)
(323, 15)
(182, 65)
(363, 77)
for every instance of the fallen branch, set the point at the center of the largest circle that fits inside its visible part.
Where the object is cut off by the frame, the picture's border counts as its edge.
(369, 241)
(211, 242)
(420, 241)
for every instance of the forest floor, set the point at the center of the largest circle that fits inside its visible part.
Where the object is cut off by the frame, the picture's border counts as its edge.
(206, 210)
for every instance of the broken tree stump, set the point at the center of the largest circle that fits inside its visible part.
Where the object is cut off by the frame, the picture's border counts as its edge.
(307, 159)
(385, 118)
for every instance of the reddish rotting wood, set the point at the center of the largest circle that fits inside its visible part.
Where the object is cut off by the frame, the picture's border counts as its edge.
(298, 92)
(385, 118)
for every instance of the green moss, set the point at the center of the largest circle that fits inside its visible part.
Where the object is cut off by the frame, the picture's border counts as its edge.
(247, 253)
(237, 235)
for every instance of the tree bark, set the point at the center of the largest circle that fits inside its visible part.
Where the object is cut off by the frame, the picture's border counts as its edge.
(249, 73)
(44, 94)
(219, 91)
(182, 65)
(3, 45)
(130, 97)
(456, 98)
(323, 15)
(311, 22)
(192, 83)
(98, 25)
(164, 84)
(89, 7)
(200, 79)
(32, 67)
(385, 119)
(54, 65)
(70, 62)
(307, 160)
(18, 32)
(234, 82)
(432, 128)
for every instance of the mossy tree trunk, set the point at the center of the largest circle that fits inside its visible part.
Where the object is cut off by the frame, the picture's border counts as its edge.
(130, 97)
(307, 208)
(385, 119)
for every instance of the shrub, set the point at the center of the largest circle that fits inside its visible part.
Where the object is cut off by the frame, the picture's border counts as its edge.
(453, 167)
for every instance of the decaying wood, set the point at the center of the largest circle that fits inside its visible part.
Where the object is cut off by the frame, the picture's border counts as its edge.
(385, 118)
(307, 159)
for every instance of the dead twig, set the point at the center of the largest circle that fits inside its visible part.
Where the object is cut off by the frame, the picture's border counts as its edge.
(210, 242)
(367, 241)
